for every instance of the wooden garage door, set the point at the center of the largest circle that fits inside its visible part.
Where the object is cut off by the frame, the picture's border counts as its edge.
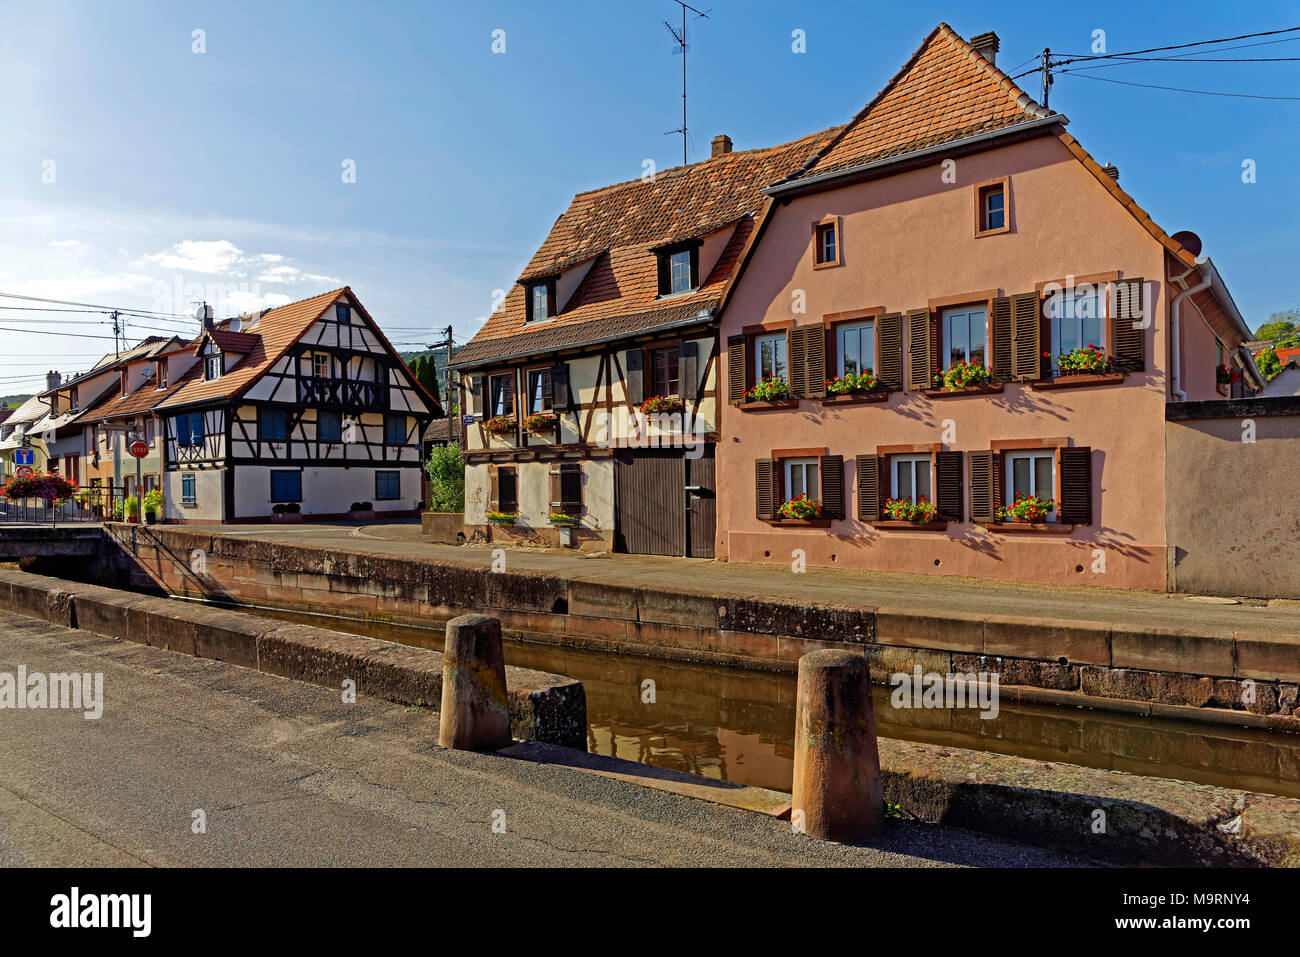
(650, 494)
(702, 505)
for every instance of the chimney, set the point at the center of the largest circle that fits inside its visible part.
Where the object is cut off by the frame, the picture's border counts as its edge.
(986, 45)
(52, 380)
(1111, 170)
(721, 144)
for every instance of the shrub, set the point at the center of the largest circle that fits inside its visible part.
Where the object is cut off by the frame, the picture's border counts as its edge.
(153, 500)
(361, 506)
(446, 479)
(132, 506)
(51, 486)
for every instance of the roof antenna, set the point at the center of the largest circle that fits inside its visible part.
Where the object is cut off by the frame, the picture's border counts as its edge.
(682, 47)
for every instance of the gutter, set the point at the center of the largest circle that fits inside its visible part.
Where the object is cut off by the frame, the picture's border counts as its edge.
(704, 315)
(888, 164)
(1176, 341)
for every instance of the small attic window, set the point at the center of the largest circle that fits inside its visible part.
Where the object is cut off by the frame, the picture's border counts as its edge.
(342, 313)
(212, 367)
(161, 375)
(679, 268)
(992, 209)
(826, 242)
(123, 377)
(541, 300)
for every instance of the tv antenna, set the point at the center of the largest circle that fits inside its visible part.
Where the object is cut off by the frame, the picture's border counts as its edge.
(682, 47)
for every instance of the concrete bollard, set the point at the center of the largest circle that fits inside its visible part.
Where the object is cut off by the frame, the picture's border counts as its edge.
(475, 713)
(837, 795)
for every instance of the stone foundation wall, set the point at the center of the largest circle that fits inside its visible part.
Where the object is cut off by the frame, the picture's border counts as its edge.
(1237, 677)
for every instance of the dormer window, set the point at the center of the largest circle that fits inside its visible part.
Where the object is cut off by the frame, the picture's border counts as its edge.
(162, 375)
(541, 300)
(212, 367)
(123, 376)
(679, 269)
(342, 313)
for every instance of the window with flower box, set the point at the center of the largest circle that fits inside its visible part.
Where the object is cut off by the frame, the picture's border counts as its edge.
(790, 475)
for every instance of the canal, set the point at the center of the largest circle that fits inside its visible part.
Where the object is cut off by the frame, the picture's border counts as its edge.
(737, 724)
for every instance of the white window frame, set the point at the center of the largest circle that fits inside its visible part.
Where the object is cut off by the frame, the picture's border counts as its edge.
(673, 276)
(781, 351)
(945, 322)
(1001, 193)
(828, 244)
(1009, 480)
(1057, 306)
(316, 358)
(857, 328)
(208, 367)
(800, 467)
(913, 462)
(540, 313)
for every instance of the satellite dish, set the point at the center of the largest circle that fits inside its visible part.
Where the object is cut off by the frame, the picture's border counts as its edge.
(201, 313)
(235, 324)
(1189, 241)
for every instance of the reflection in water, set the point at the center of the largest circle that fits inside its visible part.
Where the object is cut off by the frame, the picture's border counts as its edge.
(738, 725)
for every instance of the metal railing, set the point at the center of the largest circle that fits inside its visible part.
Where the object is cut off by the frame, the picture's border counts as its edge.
(99, 503)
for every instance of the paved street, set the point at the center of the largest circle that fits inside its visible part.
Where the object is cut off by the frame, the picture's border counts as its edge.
(920, 593)
(287, 774)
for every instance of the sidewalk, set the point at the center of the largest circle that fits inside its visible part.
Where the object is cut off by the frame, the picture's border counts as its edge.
(288, 775)
(914, 593)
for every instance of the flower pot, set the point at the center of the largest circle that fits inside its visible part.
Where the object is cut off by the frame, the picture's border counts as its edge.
(367, 515)
(151, 518)
(286, 516)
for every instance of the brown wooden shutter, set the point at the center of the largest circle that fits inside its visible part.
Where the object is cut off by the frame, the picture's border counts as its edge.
(1128, 345)
(566, 488)
(920, 373)
(1076, 485)
(948, 494)
(553, 494)
(814, 343)
(477, 390)
(560, 386)
(665, 276)
(797, 366)
(688, 370)
(494, 489)
(736, 368)
(1002, 336)
(982, 495)
(889, 344)
(1026, 339)
(633, 367)
(832, 476)
(550, 298)
(868, 488)
(764, 489)
(508, 393)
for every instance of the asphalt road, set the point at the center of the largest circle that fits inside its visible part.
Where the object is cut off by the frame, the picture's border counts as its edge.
(287, 774)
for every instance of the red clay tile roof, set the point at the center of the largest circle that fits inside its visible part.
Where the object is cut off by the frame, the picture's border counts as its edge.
(275, 331)
(227, 341)
(946, 91)
(616, 228)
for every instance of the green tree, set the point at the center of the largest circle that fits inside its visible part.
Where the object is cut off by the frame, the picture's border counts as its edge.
(446, 479)
(1283, 328)
(1269, 364)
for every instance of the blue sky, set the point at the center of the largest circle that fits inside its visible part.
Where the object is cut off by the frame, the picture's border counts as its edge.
(224, 168)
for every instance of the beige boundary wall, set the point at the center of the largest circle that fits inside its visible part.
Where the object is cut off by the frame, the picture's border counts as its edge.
(1196, 674)
(1233, 507)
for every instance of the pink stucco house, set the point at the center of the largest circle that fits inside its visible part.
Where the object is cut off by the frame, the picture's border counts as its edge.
(953, 308)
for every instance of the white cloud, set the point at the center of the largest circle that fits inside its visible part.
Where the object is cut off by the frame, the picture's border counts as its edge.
(199, 256)
(66, 243)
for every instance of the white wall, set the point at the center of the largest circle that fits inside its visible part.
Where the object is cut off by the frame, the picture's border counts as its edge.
(325, 490)
(209, 494)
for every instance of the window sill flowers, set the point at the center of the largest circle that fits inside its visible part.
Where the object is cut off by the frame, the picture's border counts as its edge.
(1082, 361)
(852, 383)
(961, 375)
(770, 388)
(502, 518)
(801, 507)
(662, 405)
(560, 518)
(920, 512)
(1027, 509)
(540, 422)
(51, 486)
(499, 425)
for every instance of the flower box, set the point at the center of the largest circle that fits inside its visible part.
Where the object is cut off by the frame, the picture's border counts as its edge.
(499, 425)
(961, 375)
(855, 398)
(759, 406)
(933, 526)
(662, 405)
(800, 508)
(502, 518)
(772, 388)
(922, 512)
(987, 388)
(560, 519)
(1042, 528)
(1077, 380)
(541, 423)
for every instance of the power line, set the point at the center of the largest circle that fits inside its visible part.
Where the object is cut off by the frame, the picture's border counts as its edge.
(91, 305)
(1176, 46)
(1179, 89)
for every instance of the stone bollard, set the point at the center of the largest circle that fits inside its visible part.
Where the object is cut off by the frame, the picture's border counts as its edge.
(836, 763)
(475, 713)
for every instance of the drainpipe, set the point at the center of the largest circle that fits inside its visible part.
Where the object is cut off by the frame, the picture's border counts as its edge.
(1176, 359)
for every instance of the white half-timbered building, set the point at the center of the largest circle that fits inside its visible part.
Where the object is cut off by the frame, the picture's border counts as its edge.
(305, 405)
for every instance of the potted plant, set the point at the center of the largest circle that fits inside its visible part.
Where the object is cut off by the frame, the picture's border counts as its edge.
(1026, 509)
(961, 375)
(560, 518)
(662, 405)
(1085, 360)
(770, 388)
(502, 518)
(499, 425)
(539, 423)
(852, 383)
(920, 512)
(286, 512)
(361, 511)
(153, 503)
(800, 507)
(1224, 378)
(131, 506)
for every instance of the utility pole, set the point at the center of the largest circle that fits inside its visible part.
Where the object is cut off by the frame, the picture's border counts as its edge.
(117, 332)
(447, 372)
(1046, 74)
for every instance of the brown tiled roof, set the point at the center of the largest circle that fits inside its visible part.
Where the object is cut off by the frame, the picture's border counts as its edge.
(147, 396)
(227, 341)
(946, 91)
(439, 430)
(275, 331)
(616, 228)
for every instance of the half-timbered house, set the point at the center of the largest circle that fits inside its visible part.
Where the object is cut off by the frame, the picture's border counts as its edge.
(302, 409)
(591, 396)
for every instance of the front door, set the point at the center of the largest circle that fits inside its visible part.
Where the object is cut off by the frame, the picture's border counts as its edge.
(655, 512)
